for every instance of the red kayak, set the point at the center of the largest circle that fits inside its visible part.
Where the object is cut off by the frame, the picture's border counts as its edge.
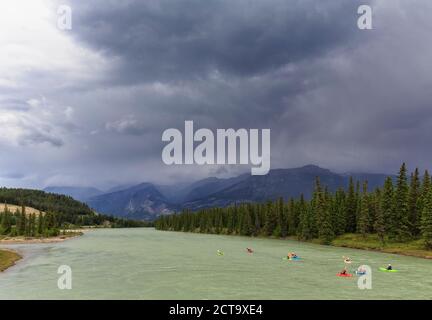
(347, 275)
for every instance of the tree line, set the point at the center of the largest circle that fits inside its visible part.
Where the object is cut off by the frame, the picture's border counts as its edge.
(19, 223)
(59, 212)
(399, 211)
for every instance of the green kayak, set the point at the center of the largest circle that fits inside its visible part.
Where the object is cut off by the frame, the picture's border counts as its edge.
(385, 270)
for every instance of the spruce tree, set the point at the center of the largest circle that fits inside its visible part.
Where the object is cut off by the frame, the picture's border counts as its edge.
(387, 205)
(282, 217)
(22, 222)
(379, 225)
(401, 223)
(414, 213)
(318, 202)
(247, 228)
(271, 219)
(325, 229)
(351, 207)
(257, 220)
(6, 223)
(339, 209)
(40, 227)
(292, 217)
(303, 231)
(426, 221)
(326, 232)
(363, 223)
(425, 188)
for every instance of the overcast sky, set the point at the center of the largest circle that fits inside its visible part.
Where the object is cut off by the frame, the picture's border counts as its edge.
(87, 106)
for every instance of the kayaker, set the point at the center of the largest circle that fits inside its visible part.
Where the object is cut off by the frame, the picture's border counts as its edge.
(291, 255)
(249, 250)
(344, 271)
(347, 259)
(361, 270)
(389, 267)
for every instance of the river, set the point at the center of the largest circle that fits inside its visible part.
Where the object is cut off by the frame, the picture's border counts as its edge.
(148, 264)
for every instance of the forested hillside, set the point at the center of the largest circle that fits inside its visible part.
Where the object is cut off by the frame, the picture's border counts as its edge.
(66, 206)
(58, 212)
(400, 211)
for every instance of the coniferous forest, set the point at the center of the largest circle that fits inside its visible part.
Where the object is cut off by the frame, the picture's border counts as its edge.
(399, 211)
(59, 212)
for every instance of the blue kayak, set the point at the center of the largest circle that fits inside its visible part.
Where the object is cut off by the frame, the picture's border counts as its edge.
(292, 259)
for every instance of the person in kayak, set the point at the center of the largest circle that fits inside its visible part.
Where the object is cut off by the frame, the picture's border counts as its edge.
(344, 271)
(249, 250)
(361, 270)
(389, 267)
(292, 255)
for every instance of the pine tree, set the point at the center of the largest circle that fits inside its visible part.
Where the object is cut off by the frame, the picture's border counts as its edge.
(317, 203)
(379, 224)
(271, 219)
(292, 217)
(339, 209)
(247, 228)
(387, 205)
(304, 229)
(401, 222)
(363, 223)
(33, 225)
(6, 222)
(22, 222)
(40, 227)
(325, 229)
(257, 220)
(425, 188)
(282, 218)
(351, 207)
(414, 213)
(426, 221)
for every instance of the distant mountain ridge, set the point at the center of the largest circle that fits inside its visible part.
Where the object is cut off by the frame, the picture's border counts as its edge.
(148, 201)
(143, 201)
(78, 193)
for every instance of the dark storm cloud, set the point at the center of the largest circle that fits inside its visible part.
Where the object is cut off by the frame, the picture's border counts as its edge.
(331, 94)
(188, 39)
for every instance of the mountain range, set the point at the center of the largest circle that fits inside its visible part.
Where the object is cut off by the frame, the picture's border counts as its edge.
(148, 201)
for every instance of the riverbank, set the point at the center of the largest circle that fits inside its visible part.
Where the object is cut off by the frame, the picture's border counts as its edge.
(8, 258)
(371, 242)
(30, 240)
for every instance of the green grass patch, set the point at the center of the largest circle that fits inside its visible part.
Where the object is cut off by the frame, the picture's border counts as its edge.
(8, 259)
(371, 242)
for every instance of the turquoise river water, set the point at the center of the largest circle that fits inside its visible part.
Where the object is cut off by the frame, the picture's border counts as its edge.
(148, 264)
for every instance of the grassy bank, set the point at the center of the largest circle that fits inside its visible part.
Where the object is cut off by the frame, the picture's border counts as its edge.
(8, 259)
(371, 242)
(25, 239)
